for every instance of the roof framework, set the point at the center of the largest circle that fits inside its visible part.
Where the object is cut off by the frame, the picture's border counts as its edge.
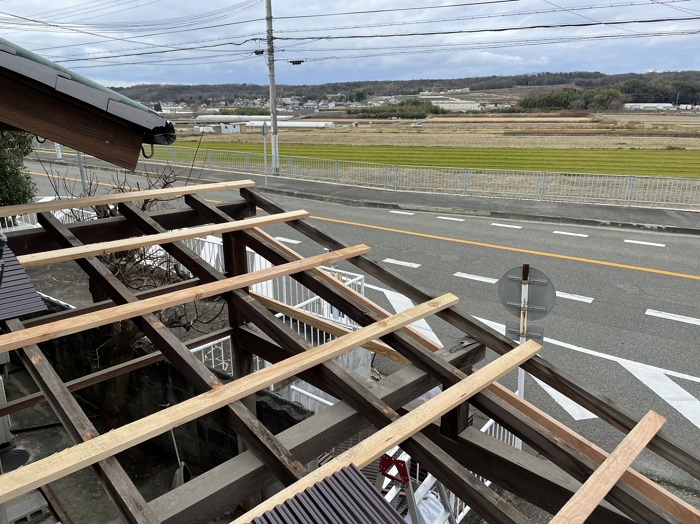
(436, 434)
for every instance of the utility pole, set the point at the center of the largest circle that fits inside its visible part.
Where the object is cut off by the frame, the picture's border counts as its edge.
(273, 88)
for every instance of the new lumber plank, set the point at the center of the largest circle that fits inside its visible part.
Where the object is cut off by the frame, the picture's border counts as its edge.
(37, 239)
(339, 286)
(108, 373)
(653, 491)
(113, 198)
(586, 499)
(222, 488)
(567, 457)
(215, 214)
(335, 379)
(327, 326)
(671, 503)
(102, 248)
(68, 326)
(60, 464)
(663, 444)
(392, 435)
(239, 417)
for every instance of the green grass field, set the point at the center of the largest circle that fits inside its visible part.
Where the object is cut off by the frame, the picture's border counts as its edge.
(676, 163)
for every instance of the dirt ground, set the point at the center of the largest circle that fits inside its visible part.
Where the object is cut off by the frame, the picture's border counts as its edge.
(556, 131)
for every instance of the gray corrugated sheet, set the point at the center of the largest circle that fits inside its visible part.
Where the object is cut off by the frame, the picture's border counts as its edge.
(346, 497)
(17, 294)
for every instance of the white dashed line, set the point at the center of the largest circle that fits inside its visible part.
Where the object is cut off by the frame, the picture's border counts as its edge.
(288, 240)
(451, 218)
(578, 298)
(672, 316)
(645, 243)
(489, 280)
(401, 263)
(570, 234)
(478, 278)
(401, 212)
(506, 225)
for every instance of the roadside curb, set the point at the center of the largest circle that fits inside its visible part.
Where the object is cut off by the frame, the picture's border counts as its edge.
(478, 213)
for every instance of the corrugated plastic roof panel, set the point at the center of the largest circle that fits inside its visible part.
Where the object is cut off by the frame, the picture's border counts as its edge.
(346, 497)
(17, 294)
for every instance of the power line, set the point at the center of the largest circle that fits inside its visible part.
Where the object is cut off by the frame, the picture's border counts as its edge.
(490, 30)
(407, 50)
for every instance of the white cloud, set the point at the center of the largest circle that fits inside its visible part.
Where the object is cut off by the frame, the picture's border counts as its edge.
(304, 33)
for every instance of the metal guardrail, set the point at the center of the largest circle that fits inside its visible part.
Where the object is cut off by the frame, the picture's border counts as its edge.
(641, 191)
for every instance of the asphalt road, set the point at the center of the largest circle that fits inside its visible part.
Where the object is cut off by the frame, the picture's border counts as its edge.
(626, 321)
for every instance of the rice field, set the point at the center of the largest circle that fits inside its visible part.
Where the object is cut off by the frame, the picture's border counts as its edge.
(635, 144)
(676, 163)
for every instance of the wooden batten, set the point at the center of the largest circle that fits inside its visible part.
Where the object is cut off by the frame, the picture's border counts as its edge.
(102, 248)
(587, 498)
(392, 435)
(63, 463)
(129, 196)
(654, 492)
(329, 327)
(68, 326)
(336, 284)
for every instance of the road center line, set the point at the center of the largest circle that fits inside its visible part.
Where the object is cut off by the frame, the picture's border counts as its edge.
(451, 218)
(511, 249)
(402, 212)
(506, 225)
(401, 263)
(570, 234)
(654, 244)
(672, 316)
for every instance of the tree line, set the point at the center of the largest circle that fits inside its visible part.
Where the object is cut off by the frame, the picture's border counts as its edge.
(658, 87)
(410, 108)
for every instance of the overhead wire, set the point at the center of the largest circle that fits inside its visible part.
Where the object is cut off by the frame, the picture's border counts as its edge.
(212, 48)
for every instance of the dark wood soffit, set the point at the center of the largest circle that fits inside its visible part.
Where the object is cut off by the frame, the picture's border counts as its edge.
(29, 106)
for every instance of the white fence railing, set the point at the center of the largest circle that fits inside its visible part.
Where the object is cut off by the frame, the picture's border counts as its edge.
(643, 191)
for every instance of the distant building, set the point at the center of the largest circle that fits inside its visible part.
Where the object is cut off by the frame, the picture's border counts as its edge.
(648, 107)
(226, 129)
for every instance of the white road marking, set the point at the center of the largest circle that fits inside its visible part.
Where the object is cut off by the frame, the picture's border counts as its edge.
(402, 212)
(578, 298)
(401, 263)
(686, 404)
(401, 303)
(451, 218)
(478, 278)
(576, 411)
(288, 240)
(506, 225)
(656, 378)
(570, 234)
(654, 244)
(489, 280)
(672, 316)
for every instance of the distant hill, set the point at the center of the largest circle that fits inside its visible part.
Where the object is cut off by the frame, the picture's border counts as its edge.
(669, 87)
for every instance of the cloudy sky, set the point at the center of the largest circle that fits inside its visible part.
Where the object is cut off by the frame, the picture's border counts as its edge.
(125, 42)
